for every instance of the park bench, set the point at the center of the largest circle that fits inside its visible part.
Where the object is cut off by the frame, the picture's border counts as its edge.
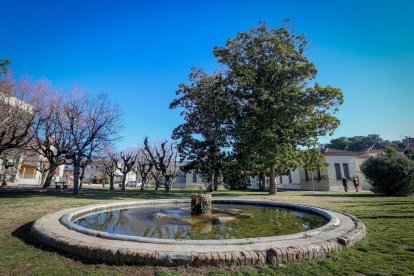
(61, 184)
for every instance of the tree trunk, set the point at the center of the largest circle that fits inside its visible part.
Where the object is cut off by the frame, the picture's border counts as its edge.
(313, 184)
(167, 185)
(81, 178)
(144, 180)
(262, 181)
(111, 183)
(76, 174)
(210, 183)
(215, 181)
(42, 177)
(272, 178)
(49, 177)
(123, 182)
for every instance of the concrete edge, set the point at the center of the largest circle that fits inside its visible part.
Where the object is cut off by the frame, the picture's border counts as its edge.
(48, 230)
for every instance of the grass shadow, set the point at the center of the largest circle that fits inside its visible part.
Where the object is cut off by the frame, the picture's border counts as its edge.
(23, 233)
(128, 194)
(386, 217)
(348, 195)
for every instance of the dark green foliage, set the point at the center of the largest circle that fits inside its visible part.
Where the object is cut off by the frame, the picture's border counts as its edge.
(409, 152)
(261, 108)
(234, 177)
(279, 110)
(390, 173)
(356, 143)
(359, 143)
(207, 111)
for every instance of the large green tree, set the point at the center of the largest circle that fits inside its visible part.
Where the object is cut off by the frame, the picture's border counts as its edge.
(207, 110)
(280, 111)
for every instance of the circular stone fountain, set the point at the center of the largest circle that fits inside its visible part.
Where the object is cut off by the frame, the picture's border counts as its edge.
(163, 232)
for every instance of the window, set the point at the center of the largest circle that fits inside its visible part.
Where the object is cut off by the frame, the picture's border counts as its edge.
(307, 175)
(338, 171)
(180, 179)
(27, 172)
(346, 170)
(319, 175)
(281, 180)
(194, 177)
(290, 176)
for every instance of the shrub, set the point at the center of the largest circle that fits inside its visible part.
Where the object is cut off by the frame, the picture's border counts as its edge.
(390, 173)
(234, 177)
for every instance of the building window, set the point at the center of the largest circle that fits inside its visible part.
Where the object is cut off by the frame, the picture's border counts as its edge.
(319, 175)
(281, 180)
(27, 172)
(338, 172)
(307, 175)
(290, 176)
(180, 179)
(194, 177)
(346, 170)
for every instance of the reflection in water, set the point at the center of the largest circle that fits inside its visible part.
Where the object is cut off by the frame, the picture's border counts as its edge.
(226, 222)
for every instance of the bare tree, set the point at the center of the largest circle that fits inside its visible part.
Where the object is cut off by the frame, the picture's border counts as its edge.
(52, 139)
(164, 158)
(143, 168)
(20, 108)
(92, 122)
(158, 178)
(125, 161)
(109, 168)
(89, 157)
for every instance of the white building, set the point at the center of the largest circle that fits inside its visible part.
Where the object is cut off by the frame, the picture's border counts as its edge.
(340, 164)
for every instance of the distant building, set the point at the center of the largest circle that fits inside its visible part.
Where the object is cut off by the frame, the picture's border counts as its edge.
(340, 164)
(187, 180)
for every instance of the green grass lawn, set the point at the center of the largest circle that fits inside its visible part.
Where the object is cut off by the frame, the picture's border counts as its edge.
(388, 248)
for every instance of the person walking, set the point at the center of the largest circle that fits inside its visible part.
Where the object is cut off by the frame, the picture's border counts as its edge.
(345, 184)
(356, 184)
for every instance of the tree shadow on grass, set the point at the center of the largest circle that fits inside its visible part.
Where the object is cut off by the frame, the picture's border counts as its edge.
(128, 194)
(386, 217)
(348, 195)
(23, 233)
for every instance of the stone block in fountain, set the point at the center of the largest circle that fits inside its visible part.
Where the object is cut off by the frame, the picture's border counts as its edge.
(201, 204)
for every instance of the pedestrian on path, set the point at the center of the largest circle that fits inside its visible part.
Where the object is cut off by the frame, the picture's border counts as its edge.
(345, 184)
(356, 184)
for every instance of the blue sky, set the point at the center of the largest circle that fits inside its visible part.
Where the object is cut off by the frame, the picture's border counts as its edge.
(139, 51)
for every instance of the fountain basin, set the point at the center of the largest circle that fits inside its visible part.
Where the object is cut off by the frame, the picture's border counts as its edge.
(59, 231)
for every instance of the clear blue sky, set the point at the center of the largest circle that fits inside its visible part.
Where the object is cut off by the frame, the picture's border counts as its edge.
(139, 51)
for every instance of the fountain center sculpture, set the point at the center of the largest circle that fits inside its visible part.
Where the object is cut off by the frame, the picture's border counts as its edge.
(201, 204)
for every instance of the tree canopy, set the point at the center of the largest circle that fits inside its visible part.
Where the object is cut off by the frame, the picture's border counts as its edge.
(207, 110)
(355, 143)
(280, 111)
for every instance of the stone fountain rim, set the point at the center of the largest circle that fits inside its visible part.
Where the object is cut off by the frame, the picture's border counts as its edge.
(68, 218)
(50, 231)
